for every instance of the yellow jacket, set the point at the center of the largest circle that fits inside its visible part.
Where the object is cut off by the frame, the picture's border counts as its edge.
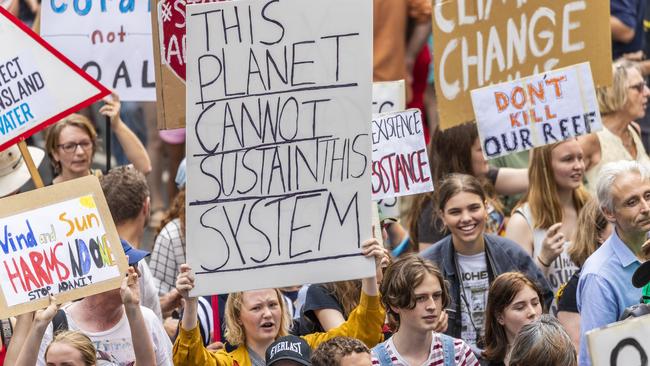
(364, 323)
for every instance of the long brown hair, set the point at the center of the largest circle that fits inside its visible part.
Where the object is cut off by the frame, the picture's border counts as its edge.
(450, 151)
(590, 225)
(346, 292)
(502, 292)
(542, 196)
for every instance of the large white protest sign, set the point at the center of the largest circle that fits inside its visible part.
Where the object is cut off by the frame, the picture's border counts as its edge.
(400, 165)
(278, 142)
(620, 344)
(38, 85)
(111, 40)
(537, 110)
(57, 240)
(478, 43)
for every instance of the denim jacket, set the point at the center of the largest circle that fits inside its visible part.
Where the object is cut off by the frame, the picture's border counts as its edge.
(503, 255)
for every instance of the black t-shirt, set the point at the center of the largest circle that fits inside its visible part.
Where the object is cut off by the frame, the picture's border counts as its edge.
(567, 299)
(630, 13)
(318, 298)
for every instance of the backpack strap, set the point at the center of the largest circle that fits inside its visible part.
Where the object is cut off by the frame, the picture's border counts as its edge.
(448, 349)
(382, 354)
(59, 322)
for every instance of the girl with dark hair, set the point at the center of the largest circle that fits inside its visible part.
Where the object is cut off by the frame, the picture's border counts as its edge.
(458, 150)
(470, 259)
(513, 301)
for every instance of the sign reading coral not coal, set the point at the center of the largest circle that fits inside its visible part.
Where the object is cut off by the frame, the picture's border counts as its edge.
(400, 165)
(57, 240)
(32, 76)
(478, 43)
(278, 142)
(111, 40)
(622, 343)
(537, 110)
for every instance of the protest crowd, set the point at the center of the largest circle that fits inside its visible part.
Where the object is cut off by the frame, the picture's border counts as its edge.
(186, 229)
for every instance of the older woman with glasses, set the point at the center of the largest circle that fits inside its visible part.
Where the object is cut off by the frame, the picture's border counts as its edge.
(620, 105)
(71, 143)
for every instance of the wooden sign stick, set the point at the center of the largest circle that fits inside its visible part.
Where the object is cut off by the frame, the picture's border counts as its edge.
(33, 169)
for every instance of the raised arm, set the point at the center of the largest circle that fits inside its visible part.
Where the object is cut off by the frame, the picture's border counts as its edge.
(33, 341)
(21, 330)
(511, 181)
(133, 148)
(142, 342)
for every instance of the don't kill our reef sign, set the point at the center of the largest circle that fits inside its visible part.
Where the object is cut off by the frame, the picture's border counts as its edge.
(57, 240)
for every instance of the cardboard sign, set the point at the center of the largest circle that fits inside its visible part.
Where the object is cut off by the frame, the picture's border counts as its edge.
(109, 40)
(38, 85)
(278, 142)
(485, 42)
(622, 343)
(169, 40)
(537, 110)
(61, 240)
(400, 165)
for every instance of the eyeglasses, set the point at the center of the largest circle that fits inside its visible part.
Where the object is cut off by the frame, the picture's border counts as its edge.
(638, 86)
(70, 147)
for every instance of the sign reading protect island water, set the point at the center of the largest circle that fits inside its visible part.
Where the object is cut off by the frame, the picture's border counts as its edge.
(57, 240)
(536, 111)
(38, 85)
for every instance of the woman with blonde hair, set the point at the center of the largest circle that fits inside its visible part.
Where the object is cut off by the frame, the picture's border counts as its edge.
(592, 229)
(620, 105)
(72, 142)
(546, 216)
(255, 319)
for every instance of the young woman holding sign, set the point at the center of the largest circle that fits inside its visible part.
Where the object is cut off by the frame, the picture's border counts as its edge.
(458, 150)
(620, 105)
(72, 142)
(255, 319)
(470, 259)
(546, 216)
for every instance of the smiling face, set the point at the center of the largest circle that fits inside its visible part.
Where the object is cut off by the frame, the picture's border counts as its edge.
(261, 315)
(568, 165)
(637, 94)
(524, 309)
(631, 198)
(465, 215)
(62, 354)
(76, 161)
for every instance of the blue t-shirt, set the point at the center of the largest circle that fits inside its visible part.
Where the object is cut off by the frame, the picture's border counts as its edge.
(630, 13)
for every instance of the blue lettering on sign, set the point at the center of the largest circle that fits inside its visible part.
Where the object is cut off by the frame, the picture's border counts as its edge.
(83, 7)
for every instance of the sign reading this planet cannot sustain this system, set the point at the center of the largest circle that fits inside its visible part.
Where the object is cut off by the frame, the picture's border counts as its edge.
(478, 43)
(278, 142)
(57, 240)
(111, 40)
(536, 111)
(38, 85)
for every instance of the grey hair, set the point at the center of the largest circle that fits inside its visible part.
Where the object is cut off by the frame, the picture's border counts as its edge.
(608, 175)
(543, 343)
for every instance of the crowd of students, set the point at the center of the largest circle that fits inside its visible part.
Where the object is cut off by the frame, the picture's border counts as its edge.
(509, 262)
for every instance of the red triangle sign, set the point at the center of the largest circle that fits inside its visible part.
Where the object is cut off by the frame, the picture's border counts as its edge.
(38, 85)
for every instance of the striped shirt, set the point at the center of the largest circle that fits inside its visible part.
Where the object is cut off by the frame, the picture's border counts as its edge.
(463, 354)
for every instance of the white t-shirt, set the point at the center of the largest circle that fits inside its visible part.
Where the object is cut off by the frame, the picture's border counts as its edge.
(148, 290)
(474, 291)
(115, 345)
